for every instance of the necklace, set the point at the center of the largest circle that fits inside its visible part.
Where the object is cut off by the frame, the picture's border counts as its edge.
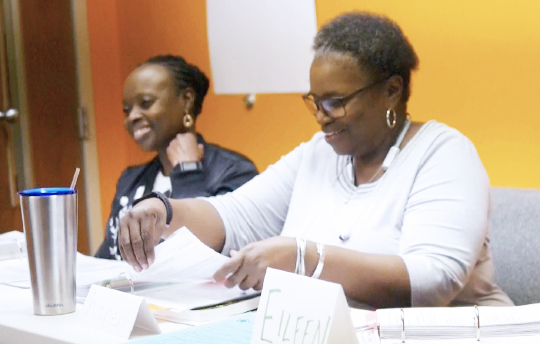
(390, 157)
(375, 175)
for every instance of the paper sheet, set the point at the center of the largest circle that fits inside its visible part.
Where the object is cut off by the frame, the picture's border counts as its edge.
(15, 272)
(234, 330)
(116, 313)
(181, 258)
(13, 235)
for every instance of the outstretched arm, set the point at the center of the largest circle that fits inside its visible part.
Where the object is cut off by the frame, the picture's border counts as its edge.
(144, 225)
(376, 280)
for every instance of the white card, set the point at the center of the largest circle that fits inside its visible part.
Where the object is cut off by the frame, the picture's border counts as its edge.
(116, 312)
(300, 309)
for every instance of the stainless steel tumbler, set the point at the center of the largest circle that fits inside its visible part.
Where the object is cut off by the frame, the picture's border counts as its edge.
(50, 223)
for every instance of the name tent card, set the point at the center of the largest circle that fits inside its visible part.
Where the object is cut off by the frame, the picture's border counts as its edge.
(116, 312)
(300, 309)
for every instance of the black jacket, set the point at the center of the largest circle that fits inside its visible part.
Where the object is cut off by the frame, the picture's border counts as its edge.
(223, 171)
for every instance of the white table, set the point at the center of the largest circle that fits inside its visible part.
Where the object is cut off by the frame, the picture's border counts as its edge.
(18, 324)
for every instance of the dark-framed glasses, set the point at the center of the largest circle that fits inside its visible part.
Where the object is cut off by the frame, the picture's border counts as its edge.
(333, 107)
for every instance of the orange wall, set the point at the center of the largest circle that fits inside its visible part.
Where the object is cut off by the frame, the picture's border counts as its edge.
(112, 139)
(478, 63)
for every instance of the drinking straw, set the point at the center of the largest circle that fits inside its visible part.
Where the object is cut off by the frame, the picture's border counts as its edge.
(74, 181)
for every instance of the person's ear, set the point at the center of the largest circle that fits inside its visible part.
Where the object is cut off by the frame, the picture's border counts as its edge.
(394, 90)
(188, 96)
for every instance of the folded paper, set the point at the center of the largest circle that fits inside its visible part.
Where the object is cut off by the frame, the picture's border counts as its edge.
(117, 313)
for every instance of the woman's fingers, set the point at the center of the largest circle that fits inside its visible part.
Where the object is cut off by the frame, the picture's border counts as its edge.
(127, 226)
(201, 150)
(139, 230)
(229, 268)
(249, 274)
(259, 285)
(148, 225)
(251, 281)
(243, 270)
(184, 147)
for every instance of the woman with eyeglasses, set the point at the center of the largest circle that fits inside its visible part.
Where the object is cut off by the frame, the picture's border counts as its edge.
(162, 100)
(392, 209)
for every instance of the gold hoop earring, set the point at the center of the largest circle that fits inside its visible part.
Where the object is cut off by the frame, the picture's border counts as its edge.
(391, 123)
(188, 120)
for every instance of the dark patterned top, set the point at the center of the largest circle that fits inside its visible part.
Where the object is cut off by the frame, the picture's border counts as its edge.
(223, 171)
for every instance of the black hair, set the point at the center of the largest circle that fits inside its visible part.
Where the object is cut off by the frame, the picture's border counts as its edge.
(184, 75)
(374, 41)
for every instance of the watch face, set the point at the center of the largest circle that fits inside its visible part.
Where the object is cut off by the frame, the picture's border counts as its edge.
(191, 166)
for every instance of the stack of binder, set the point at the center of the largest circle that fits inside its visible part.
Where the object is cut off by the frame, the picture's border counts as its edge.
(454, 322)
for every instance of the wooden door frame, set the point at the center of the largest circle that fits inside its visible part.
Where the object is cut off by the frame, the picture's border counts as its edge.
(86, 109)
(15, 56)
(22, 137)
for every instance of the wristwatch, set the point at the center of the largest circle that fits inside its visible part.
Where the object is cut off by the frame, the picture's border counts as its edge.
(189, 166)
(163, 198)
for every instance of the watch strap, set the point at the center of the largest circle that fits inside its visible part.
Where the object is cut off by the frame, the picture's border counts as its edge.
(165, 201)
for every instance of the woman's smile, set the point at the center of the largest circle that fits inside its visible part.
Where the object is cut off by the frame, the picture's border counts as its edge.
(333, 136)
(138, 134)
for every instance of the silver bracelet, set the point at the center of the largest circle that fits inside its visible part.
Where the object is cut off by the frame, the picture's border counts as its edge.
(297, 266)
(300, 257)
(320, 264)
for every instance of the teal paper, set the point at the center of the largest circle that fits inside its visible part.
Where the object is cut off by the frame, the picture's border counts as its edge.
(234, 330)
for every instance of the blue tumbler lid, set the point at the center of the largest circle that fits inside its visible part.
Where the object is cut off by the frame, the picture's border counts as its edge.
(48, 191)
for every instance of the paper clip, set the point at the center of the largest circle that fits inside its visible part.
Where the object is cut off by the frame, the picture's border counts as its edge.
(402, 325)
(120, 283)
(20, 246)
(126, 276)
(477, 322)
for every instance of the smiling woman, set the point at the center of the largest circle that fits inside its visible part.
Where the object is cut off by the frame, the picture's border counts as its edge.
(394, 210)
(161, 101)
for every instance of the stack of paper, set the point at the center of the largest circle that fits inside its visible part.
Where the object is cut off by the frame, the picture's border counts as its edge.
(178, 286)
(188, 293)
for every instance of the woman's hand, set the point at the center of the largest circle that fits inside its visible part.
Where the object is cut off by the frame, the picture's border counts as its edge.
(140, 231)
(247, 267)
(184, 148)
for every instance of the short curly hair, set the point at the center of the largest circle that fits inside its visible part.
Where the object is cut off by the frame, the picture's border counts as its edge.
(184, 75)
(374, 41)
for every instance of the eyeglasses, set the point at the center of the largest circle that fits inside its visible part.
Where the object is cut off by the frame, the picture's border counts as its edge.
(333, 107)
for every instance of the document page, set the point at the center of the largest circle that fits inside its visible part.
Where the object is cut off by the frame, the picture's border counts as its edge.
(185, 267)
(181, 258)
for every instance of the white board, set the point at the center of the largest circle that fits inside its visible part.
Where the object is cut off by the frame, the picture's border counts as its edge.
(262, 46)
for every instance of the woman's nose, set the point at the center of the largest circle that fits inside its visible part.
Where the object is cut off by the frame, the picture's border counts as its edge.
(133, 115)
(322, 117)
